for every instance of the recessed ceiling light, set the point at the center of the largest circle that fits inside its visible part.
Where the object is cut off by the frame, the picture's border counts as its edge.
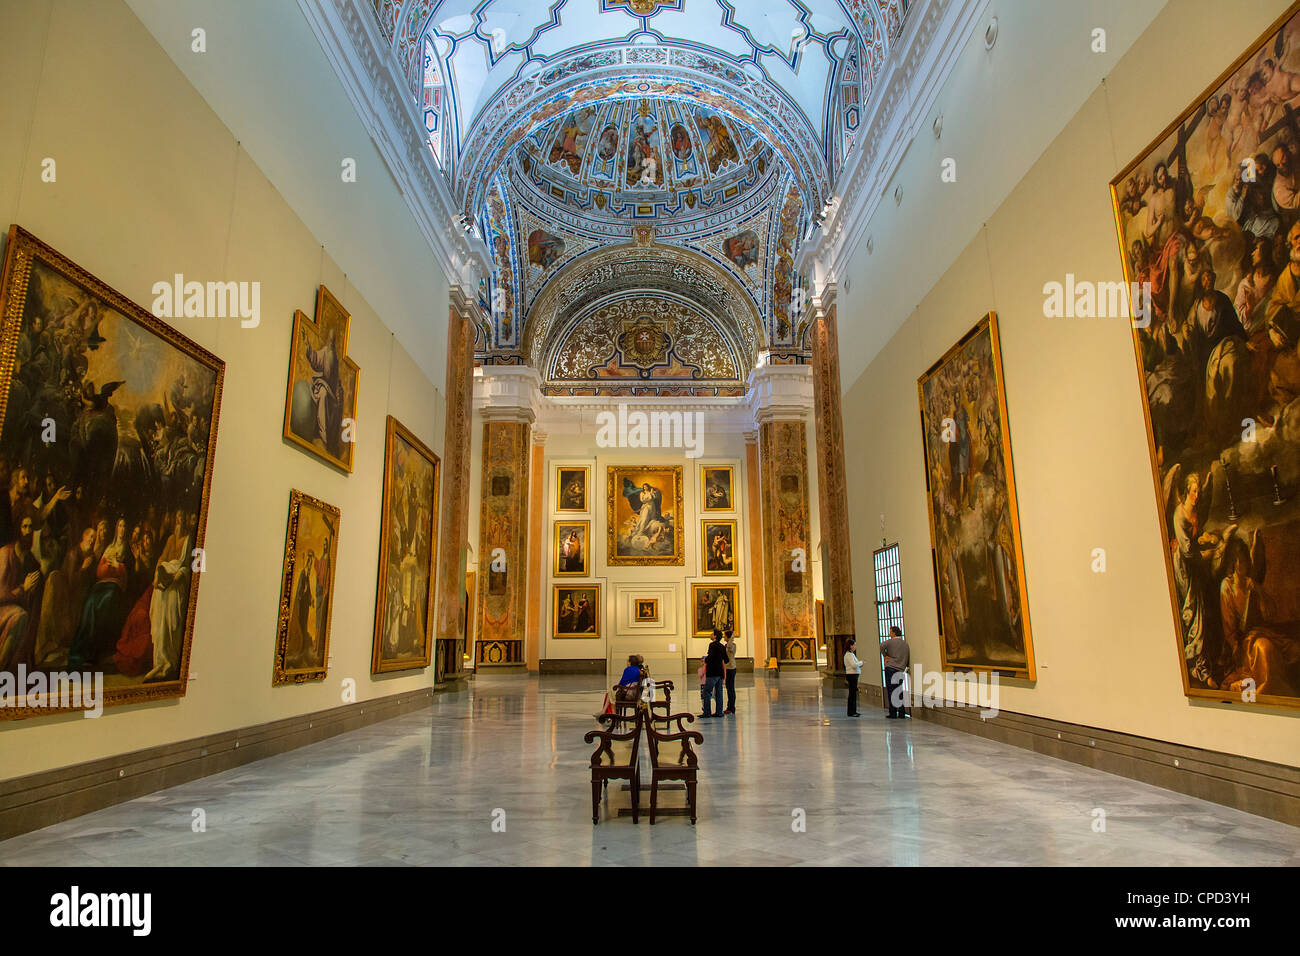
(938, 126)
(991, 34)
(871, 245)
(898, 195)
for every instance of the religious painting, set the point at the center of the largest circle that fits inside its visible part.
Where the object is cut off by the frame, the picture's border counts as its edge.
(719, 147)
(713, 605)
(644, 163)
(1208, 219)
(974, 521)
(742, 248)
(408, 525)
(106, 450)
(718, 546)
(311, 548)
(575, 610)
(571, 490)
(607, 145)
(572, 135)
(571, 547)
(544, 249)
(320, 407)
(647, 610)
(717, 483)
(681, 142)
(643, 508)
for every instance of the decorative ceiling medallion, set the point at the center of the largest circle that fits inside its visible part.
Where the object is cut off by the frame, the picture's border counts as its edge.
(643, 344)
(644, 8)
(645, 235)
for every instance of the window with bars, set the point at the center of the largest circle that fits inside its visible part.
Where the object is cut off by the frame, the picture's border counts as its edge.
(889, 594)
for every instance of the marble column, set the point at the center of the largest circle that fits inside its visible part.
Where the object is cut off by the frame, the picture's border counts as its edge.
(837, 569)
(451, 613)
(537, 542)
(781, 399)
(756, 564)
(506, 397)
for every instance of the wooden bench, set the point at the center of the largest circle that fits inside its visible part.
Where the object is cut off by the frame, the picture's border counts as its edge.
(671, 757)
(616, 758)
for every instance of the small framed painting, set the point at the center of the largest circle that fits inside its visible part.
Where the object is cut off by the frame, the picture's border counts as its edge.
(718, 546)
(311, 548)
(575, 610)
(646, 610)
(571, 547)
(713, 605)
(717, 484)
(571, 490)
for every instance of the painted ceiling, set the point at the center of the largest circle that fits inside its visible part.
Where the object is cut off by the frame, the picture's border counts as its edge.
(715, 128)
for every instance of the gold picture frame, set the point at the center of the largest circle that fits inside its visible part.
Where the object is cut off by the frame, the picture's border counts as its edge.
(570, 561)
(707, 612)
(310, 406)
(570, 618)
(134, 362)
(571, 495)
(1229, 549)
(717, 495)
(636, 536)
(718, 555)
(645, 610)
(306, 609)
(408, 553)
(964, 388)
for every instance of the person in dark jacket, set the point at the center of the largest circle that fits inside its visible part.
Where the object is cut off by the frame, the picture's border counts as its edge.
(715, 673)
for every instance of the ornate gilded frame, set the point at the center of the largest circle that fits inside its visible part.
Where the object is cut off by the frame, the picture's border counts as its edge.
(392, 432)
(652, 617)
(325, 301)
(559, 490)
(696, 631)
(730, 523)
(612, 557)
(555, 611)
(704, 489)
(280, 673)
(22, 250)
(586, 548)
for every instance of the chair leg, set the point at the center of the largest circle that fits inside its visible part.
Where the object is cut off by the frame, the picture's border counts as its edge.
(690, 798)
(654, 799)
(636, 797)
(595, 802)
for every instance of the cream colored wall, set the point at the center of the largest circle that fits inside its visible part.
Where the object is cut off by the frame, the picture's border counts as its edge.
(151, 183)
(1105, 644)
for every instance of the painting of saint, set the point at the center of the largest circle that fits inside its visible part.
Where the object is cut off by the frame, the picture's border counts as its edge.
(717, 482)
(644, 167)
(544, 249)
(1208, 218)
(571, 489)
(642, 520)
(681, 142)
(403, 637)
(607, 145)
(571, 547)
(575, 611)
(718, 544)
(719, 146)
(713, 606)
(569, 141)
(321, 404)
(109, 430)
(647, 610)
(974, 522)
(742, 248)
(307, 591)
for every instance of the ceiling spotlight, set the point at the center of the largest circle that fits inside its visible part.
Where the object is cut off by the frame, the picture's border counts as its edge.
(938, 126)
(991, 34)
(898, 195)
(871, 245)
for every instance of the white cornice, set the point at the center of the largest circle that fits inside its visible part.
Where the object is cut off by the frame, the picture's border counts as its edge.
(366, 68)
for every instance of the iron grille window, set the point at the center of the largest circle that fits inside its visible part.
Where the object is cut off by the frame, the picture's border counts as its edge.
(889, 594)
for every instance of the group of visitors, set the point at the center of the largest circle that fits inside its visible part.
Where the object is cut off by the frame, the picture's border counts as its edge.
(716, 669)
(896, 655)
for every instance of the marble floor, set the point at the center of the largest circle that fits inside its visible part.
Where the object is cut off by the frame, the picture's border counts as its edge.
(427, 787)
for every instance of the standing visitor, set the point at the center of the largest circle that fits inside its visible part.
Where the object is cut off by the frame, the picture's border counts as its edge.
(715, 672)
(852, 670)
(730, 647)
(897, 656)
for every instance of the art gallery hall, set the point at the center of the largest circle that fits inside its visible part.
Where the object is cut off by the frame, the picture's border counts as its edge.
(650, 433)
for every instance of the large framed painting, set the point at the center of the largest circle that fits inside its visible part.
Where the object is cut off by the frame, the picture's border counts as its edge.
(408, 548)
(718, 546)
(1208, 218)
(571, 490)
(311, 550)
(106, 450)
(716, 482)
(571, 547)
(643, 506)
(974, 521)
(320, 407)
(575, 610)
(713, 605)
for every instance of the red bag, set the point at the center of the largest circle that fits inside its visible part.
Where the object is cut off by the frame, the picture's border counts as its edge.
(609, 707)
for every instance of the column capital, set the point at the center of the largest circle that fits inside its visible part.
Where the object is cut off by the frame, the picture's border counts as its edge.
(778, 392)
(509, 393)
(463, 300)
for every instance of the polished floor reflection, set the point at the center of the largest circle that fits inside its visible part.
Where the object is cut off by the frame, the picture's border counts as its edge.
(427, 788)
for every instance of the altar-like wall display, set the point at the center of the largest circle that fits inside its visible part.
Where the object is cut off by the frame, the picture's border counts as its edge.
(1209, 224)
(718, 546)
(408, 526)
(575, 610)
(713, 605)
(571, 490)
(311, 549)
(643, 508)
(320, 406)
(106, 451)
(974, 522)
(571, 547)
(647, 610)
(717, 488)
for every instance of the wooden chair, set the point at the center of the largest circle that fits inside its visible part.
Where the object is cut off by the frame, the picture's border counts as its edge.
(627, 708)
(671, 757)
(617, 758)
